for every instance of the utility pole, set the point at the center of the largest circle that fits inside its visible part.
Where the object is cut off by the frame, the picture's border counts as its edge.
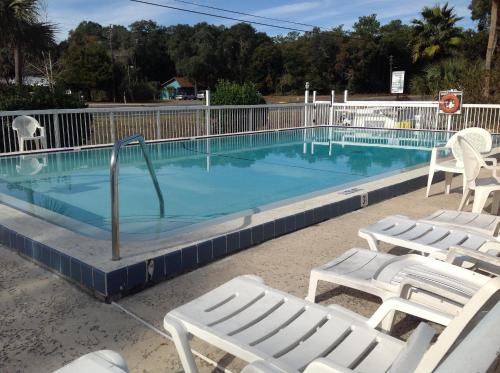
(112, 61)
(391, 60)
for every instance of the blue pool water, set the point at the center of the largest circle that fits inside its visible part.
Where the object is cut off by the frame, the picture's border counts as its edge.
(204, 179)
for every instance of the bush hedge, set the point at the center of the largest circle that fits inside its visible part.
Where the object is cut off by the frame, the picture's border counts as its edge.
(74, 129)
(230, 93)
(37, 98)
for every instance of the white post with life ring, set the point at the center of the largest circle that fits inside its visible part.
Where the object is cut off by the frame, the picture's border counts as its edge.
(450, 103)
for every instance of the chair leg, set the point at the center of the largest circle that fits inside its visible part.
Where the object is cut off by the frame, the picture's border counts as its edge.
(372, 242)
(21, 144)
(448, 179)
(388, 322)
(480, 198)
(313, 285)
(465, 199)
(496, 203)
(429, 180)
(180, 337)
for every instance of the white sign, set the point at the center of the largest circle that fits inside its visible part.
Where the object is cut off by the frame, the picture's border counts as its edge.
(398, 82)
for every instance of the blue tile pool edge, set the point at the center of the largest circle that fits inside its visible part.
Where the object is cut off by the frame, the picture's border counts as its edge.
(120, 282)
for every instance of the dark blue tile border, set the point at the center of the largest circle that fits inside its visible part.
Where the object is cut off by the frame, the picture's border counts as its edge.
(205, 254)
(136, 275)
(189, 258)
(99, 278)
(123, 280)
(233, 242)
(173, 261)
(219, 247)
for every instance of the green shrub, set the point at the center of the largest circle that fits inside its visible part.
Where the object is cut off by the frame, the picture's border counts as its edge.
(37, 98)
(230, 93)
(456, 73)
(74, 129)
(143, 91)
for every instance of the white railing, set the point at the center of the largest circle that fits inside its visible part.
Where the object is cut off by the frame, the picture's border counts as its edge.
(74, 128)
(414, 115)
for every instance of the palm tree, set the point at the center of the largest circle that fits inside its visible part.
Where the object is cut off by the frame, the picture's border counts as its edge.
(22, 31)
(435, 35)
(492, 42)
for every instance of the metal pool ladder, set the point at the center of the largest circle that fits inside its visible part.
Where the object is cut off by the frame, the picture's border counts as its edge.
(113, 170)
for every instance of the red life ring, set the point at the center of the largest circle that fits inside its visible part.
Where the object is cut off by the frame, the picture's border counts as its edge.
(449, 109)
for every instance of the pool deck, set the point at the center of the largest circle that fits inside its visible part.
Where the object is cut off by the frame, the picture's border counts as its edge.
(47, 322)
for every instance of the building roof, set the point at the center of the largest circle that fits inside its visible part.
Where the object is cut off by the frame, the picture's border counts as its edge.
(183, 82)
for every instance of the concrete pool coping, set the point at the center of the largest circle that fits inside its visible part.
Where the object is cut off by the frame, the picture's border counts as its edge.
(87, 261)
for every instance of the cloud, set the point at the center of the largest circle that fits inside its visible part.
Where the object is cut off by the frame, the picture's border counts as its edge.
(324, 13)
(288, 9)
(69, 14)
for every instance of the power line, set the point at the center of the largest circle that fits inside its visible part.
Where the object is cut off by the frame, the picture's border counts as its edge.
(243, 14)
(217, 16)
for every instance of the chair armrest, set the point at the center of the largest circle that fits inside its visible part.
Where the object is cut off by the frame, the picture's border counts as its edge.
(437, 149)
(482, 260)
(323, 365)
(260, 366)
(493, 160)
(410, 308)
(320, 365)
(416, 346)
(412, 282)
(493, 168)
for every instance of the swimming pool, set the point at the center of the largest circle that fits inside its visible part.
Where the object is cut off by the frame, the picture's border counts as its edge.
(204, 180)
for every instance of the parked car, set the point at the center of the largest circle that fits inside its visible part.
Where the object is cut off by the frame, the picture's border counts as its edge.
(200, 96)
(180, 96)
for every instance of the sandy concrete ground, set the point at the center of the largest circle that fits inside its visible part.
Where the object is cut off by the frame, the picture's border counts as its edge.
(46, 322)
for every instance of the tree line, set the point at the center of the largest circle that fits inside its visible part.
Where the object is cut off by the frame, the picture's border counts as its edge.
(116, 62)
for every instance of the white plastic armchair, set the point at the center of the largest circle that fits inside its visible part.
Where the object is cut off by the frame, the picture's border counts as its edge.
(482, 187)
(479, 138)
(26, 128)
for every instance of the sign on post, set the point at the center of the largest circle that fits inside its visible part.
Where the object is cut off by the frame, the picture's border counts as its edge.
(398, 82)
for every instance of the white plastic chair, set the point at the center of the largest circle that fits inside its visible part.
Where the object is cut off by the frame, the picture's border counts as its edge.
(26, 128)
(278, 332)
(478, 137)
(482, 187)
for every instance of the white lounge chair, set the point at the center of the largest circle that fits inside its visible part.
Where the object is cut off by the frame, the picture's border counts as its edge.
(278, 332)
(483, 223)
(428, 238)
(482, 142)
(26, 128)
(482, 187)
(104, 361)
(423, 280)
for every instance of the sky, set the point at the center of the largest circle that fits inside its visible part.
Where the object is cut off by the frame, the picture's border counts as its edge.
(67, 14)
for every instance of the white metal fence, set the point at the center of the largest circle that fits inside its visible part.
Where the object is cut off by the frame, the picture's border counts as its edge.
(415, 115)
(72, 128)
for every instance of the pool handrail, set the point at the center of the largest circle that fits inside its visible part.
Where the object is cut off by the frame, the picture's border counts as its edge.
(113, 170)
